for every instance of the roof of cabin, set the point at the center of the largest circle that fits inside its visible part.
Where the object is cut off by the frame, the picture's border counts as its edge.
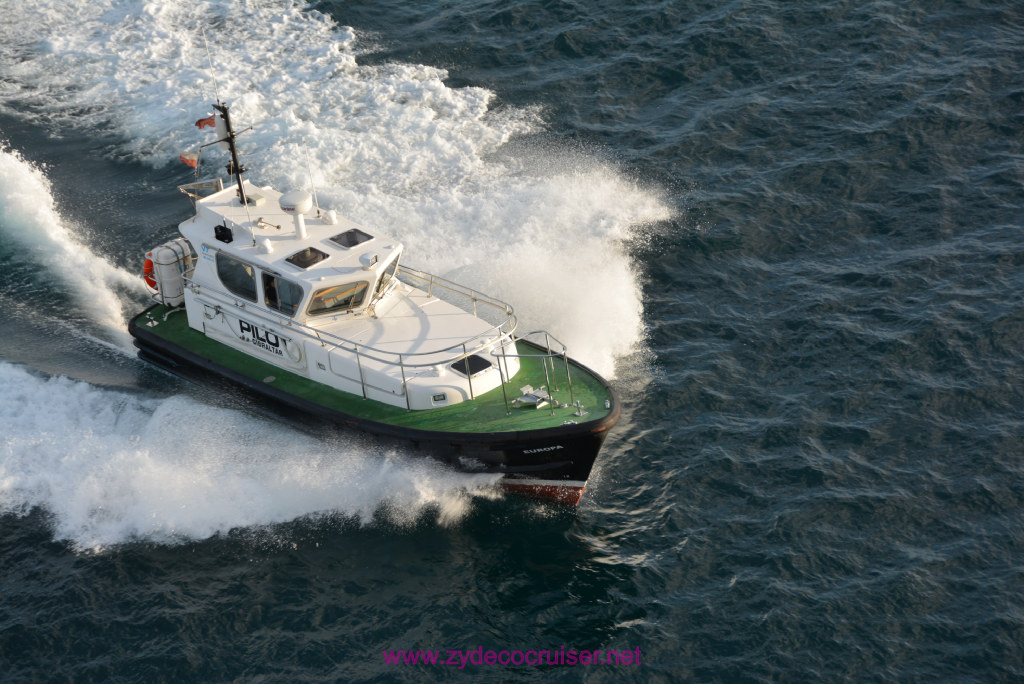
(425, 329)
(264, 224)
(409, 321)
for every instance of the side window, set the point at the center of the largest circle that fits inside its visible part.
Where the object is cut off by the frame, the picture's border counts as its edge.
(337, 299)
(281, 295)
(388, 274)
(237, 276)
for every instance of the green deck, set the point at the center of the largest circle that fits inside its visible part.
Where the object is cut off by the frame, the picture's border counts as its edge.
(486, 414)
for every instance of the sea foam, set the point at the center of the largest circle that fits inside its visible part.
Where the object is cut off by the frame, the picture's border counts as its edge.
(392, 146)
(29, 219)
(110, 467)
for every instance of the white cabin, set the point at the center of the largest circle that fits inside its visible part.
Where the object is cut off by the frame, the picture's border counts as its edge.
(325, 298)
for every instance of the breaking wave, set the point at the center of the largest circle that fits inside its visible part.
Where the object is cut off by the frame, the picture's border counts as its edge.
(392, 146)
(111, 467)
(29, 219)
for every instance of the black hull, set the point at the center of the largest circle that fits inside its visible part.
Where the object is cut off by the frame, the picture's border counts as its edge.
(551, 463)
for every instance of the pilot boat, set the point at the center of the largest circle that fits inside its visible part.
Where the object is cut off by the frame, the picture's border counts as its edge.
(312, 316)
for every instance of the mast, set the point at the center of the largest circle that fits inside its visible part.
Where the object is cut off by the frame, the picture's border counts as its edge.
(235, 167)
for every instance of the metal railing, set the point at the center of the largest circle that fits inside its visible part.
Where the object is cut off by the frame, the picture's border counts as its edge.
(499, 335)
(546, 358)
(432, 284)
(201, 189)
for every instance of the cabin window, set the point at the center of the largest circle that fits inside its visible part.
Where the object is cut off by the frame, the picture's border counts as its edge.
(389, 273)
(281, 295)
(237, 276)
(337, 299)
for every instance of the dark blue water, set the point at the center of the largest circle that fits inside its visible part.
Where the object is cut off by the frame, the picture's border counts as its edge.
(818, 475)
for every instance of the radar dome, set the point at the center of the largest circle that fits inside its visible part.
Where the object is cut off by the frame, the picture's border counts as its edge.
(296, 202)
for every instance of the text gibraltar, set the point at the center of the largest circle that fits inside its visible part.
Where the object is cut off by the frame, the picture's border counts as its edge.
(264, 339)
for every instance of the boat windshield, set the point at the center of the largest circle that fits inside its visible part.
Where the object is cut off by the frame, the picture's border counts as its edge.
(337, 299)
(389, 273)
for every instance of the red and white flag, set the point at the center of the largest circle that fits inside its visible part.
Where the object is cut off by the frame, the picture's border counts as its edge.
(190, 158)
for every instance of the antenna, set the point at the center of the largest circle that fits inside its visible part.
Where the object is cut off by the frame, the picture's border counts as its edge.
(209, 57)
(309, 170)
(235, 167)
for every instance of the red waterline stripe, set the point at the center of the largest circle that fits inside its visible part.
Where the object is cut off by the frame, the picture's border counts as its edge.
(568, 493)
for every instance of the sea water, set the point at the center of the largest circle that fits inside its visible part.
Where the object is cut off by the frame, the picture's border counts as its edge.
(789, 233)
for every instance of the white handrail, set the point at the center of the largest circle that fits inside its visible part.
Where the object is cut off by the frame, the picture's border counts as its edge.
(545, 358)
(498, 333)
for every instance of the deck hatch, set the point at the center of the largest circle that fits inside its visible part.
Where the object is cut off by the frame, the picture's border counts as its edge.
(307, 257)
(471, 365)
(351, 238)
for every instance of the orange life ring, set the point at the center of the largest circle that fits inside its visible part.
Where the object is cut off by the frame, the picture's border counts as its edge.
(148, 272)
